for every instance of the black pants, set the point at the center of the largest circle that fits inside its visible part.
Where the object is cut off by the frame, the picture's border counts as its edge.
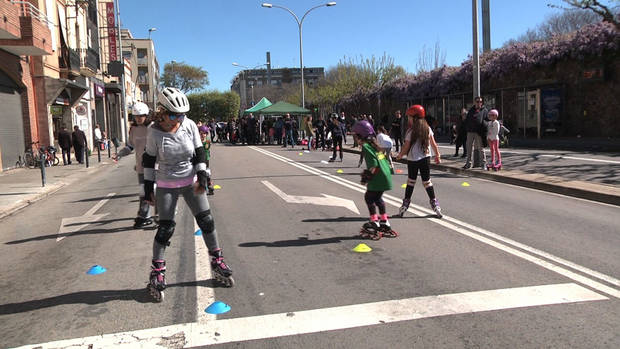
(79, 153)
(337, 141)
(398, 140)
(423, 166)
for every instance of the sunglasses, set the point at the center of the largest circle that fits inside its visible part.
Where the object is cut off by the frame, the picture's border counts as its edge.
(173, 117)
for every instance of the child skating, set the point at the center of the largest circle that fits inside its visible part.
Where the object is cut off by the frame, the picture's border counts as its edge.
(205, 138)
(377, 179)
(493, 140)
(418, 143)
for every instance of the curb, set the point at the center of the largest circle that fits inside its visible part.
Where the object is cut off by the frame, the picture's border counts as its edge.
(36, 198)
(547, 185)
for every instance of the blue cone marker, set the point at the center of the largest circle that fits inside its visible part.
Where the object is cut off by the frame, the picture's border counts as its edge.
(96, 269)
(218, 308)
(198, 232)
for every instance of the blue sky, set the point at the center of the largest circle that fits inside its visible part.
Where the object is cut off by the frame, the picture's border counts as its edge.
(214, 33)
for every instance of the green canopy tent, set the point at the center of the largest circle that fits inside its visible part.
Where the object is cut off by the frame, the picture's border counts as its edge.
(262, 104)
(282, 108)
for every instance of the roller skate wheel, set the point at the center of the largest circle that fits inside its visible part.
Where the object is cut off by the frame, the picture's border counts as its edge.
(226, 281)
(155, 293)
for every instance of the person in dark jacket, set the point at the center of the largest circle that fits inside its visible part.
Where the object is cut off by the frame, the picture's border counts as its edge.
(64, 141)
(395, 130)
(338, 131)
(79, 142)
(288, 131)
(461, 134)
(475, 124)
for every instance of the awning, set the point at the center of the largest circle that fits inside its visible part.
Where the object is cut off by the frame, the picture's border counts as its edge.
(262, 104)
(113, 87)
(282, 108)
(54, 87)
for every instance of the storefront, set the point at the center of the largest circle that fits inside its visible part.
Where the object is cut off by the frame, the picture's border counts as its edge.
(12, 143)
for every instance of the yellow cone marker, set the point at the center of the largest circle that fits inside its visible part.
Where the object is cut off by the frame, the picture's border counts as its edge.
(301, 153)
(361, 248)
(340, 171)
(465, 184)
(217, 186)
(404, 185)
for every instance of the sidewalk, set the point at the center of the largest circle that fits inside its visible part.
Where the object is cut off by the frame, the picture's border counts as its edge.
(576, 187)
(21, 187)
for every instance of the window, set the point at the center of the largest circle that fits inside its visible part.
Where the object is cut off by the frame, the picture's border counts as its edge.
(142, 53)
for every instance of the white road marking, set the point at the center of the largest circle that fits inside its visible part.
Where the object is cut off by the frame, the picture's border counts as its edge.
(326, 200)
(548, 155)
(68, 225)
(529, 256)
(204, 295)
(335, 318)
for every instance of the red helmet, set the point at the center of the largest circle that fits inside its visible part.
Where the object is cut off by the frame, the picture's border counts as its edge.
(416, 110)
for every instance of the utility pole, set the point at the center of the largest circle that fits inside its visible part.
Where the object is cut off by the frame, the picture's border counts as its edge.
(476, 59)
(120, 48)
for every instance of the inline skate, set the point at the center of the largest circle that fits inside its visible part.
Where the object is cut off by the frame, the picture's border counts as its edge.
(436, 208)
(157, 283)
(221, 271)
(403, 208)
(386, 229)
(371, 230)
(140, 222)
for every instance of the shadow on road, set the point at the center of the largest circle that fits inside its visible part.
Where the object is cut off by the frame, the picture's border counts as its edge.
(140, 295)
(108, 197)
(300, 242)
(80, 232)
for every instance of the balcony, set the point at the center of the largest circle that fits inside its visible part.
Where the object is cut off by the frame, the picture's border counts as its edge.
(89, 62)
(142, 61)
(69, 60)
(9, 24)
(34, 34)
(143, 80)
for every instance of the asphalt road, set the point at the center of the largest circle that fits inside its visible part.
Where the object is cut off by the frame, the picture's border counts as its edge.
(506, 267)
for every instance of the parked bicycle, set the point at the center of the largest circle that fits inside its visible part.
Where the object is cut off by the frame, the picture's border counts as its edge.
(32, 157)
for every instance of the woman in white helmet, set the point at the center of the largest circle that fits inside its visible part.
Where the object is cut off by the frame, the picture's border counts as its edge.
(173, 142)
(137, 141)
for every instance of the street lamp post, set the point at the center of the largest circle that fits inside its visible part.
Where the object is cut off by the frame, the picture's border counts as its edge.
(151, 30)
(301, 54)
(152, 74)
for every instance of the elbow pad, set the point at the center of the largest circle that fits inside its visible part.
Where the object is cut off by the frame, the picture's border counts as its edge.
(198, 160)
(148, 160)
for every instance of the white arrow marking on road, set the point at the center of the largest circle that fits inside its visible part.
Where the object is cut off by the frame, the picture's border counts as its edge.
(326, 200)
(70, 225)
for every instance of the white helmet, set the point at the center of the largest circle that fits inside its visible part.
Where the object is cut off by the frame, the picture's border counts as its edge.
(139, 108)
(173, 100)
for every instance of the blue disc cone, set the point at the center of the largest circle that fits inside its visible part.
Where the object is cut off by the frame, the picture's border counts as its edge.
(218, 308)
(96, 269)
(198, 232)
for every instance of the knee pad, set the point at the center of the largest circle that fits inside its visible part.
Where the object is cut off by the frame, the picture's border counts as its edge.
(411, 182)
(205, 222)
(164, 232)
(427, 183)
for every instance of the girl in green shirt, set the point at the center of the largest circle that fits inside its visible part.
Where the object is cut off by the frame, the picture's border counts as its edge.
(377, 179)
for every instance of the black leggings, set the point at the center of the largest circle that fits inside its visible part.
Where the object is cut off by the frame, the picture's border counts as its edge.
(373, 200)
(337, 141)
(423, 165)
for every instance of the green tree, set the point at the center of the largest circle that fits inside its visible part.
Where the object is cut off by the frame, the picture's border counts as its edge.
(221, 106)
(185, 77)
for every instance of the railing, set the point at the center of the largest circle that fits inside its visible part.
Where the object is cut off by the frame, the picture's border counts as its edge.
(90, 60)
(69, 59)
(29, 10)
(142, 61)
(143, 79)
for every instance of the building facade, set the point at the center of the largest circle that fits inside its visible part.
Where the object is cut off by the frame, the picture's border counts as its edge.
(145, 72)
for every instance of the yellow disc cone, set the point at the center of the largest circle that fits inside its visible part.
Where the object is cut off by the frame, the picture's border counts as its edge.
(361, 248)
(217, 186)
(301, 153)
(340, 171)
(465, 184)
(404, 185)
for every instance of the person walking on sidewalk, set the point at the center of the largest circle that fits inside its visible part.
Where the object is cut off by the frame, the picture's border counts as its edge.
(309, 128)
(79, 143)
(493, 140)
(395, 130)
(173, 142)
(418, 144)
(475, 123)
(461, 135)
(137, 142)
(98, 136)
(64, 141)
(337, 130)
(377, 179)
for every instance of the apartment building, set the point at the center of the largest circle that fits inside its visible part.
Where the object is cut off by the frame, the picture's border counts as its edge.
(145, 72)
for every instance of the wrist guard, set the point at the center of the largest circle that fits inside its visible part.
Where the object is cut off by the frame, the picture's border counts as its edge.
(202, 178)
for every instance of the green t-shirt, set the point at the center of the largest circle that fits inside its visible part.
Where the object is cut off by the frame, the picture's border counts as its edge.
(382, 180)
